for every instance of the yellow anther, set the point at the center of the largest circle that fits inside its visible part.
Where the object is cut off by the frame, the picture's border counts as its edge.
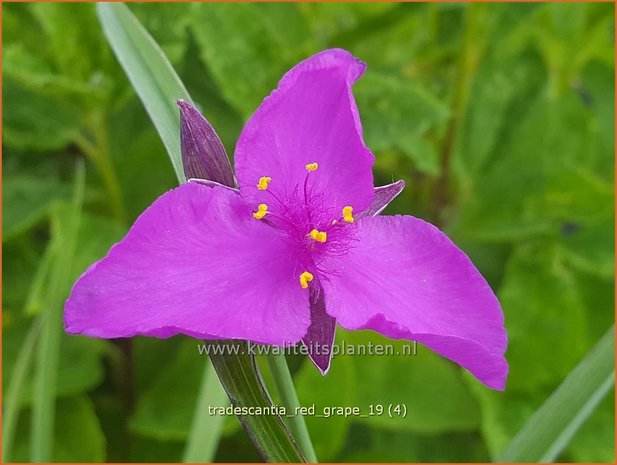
(347, 214)
(312, 167)
(319, 236)
(305, 278)
(262, 185)
(262, 209)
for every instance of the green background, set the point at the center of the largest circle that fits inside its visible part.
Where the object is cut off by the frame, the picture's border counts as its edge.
(499, 117)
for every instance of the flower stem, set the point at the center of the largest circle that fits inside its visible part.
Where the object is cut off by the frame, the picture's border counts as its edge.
(285, 387)
(237, 370)
(206, 428)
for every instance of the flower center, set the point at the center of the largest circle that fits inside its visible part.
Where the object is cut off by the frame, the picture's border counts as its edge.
(308, 219)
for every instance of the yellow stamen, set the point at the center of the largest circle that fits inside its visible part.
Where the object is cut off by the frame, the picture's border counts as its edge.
(347, 214)
(263, 183)
(311, 167)
(319, 236)
(305, 278)
(262, 209)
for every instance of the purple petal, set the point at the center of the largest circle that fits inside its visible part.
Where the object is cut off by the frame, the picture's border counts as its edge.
(203, 153)
(310, 118)
(383, 196)
(195, 262)
(405, 279)
(319, 338)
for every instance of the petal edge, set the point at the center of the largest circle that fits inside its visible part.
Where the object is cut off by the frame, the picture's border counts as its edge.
(310, 118)
(197, 263)
(405, 279)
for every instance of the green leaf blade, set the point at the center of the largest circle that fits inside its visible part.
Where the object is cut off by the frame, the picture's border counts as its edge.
(206, 429)
(48, 351)
(150, 73)
(18, 378)
(551, 427)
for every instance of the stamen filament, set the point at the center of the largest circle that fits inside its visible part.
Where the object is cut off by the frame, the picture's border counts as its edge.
(275, 198)
(310, 168)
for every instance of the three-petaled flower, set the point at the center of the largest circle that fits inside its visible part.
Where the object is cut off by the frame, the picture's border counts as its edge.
(297, 248)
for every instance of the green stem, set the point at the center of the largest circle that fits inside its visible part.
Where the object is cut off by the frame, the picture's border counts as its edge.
(285, 387)
(206, 428)
(237, 370)
(15, 389)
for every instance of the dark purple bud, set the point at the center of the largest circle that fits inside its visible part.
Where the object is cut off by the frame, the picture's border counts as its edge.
(203, 153)
(319, 339)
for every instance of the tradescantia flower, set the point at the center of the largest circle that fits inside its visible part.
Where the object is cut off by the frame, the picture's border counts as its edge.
(297, 248)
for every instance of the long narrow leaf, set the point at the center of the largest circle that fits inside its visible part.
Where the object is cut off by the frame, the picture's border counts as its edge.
(15, 389)
(48, 355)
(552, 426)
(150, 73)
(206, 429)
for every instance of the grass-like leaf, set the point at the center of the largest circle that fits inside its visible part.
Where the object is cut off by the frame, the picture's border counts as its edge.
(551, 427)
(150, 73)
(48, 350)
(206, 429)
(14, 391)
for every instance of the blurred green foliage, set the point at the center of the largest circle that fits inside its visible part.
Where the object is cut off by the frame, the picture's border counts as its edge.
(500, 118)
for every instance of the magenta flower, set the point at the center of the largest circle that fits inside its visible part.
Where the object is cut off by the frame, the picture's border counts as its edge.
(297, 248)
